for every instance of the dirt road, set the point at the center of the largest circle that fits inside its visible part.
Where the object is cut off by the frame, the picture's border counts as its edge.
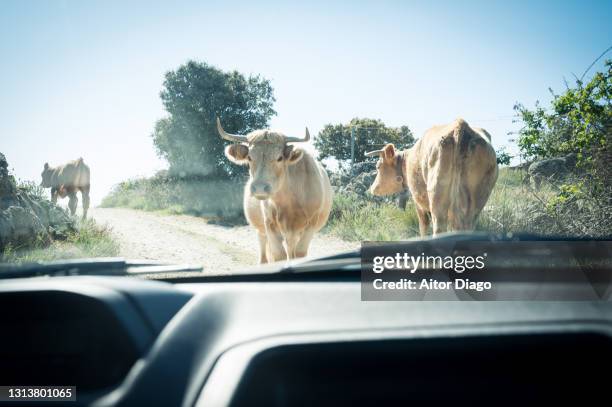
(190, 240)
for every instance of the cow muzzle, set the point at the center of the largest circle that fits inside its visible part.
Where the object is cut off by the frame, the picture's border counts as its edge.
(261, 190)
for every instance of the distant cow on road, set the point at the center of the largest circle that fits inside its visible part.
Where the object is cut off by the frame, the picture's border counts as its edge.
(288, 196)
(66, 180)
(450, 172)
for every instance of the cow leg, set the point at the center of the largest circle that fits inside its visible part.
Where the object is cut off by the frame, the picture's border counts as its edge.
(301, 250)
(292, 240)
(263, 248)
(403, 199)
(423, 216)
(439, 203)
(85, 197)
(439, 222)
(276, 251)
(73, 201)
(54, 195)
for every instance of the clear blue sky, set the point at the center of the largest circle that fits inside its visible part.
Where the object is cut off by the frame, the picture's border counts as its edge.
(82, 78)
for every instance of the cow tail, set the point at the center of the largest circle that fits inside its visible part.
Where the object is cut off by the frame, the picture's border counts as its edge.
(460, 197)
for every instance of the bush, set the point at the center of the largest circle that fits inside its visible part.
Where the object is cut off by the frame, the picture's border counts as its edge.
(577, 124)
(194, 195)
(570, 208)
(33, 189)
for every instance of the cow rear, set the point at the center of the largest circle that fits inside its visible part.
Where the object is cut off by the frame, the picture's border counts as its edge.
(473, 175)
(450, 172)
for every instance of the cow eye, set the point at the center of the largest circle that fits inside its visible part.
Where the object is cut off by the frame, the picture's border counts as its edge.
(280, 158)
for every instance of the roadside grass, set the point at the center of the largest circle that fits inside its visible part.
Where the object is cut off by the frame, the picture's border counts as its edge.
(88, 240)
(353, 220)
(214, 199)
(514, 207)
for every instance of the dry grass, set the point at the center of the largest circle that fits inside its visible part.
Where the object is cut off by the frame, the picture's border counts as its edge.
(88, 240)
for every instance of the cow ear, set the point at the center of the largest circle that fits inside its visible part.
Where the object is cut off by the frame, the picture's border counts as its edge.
(237, 153)
(389, 152)
(46, 166)
(292, 155)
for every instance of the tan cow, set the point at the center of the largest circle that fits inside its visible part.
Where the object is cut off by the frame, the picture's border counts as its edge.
(450, 172)
(66, 180)
(288, 196)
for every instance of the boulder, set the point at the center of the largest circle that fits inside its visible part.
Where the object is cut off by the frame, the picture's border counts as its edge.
(25, 218)
(8, 188)
(551, 170)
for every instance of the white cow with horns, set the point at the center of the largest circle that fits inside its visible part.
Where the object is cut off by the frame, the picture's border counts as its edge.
(288, 196)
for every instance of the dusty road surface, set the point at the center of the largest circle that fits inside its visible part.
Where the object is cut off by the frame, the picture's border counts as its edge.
(183, 239)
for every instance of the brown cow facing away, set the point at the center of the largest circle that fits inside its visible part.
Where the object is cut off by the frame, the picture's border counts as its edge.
(288, 196)
(450, 172)
(66, 180)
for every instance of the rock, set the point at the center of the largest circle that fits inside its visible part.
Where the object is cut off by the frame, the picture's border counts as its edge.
(26, 219)
(552, 170)
(7, 183)
(20, 227)
(521, 167)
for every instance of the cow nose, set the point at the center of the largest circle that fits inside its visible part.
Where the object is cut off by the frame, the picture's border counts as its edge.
(260, 190)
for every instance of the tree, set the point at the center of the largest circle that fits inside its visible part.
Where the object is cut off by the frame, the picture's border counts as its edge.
(579, 121)
(503, 157)
(370, 134)
(194, 95)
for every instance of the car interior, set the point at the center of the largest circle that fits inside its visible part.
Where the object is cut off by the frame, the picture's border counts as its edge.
(294, 335)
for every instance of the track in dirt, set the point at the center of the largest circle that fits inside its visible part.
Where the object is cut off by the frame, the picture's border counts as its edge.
(183, 239)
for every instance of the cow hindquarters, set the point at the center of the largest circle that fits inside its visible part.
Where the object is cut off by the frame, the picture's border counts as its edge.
(476, 183)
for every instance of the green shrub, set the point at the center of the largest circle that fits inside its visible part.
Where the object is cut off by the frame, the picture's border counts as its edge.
(33, 189)
(196, 196)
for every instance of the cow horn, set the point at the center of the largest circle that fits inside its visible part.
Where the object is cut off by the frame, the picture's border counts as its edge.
(227, 136)
(297, 139)
(373, 153)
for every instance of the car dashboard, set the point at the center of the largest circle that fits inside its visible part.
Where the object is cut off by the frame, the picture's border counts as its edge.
(285, 341)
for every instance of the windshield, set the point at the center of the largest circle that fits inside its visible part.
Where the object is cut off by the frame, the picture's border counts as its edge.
(228, 136)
